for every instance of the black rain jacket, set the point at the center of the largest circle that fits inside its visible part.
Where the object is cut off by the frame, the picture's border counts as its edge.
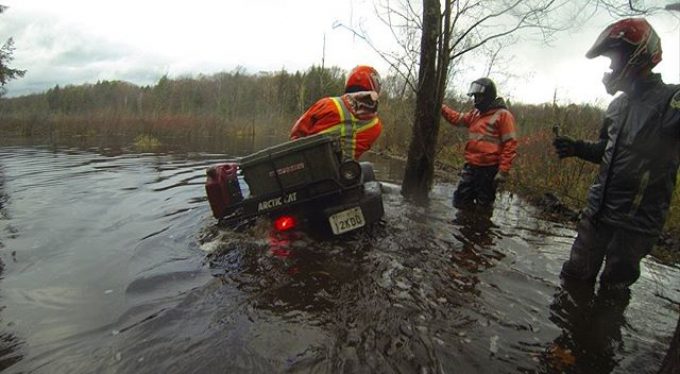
(639, 154)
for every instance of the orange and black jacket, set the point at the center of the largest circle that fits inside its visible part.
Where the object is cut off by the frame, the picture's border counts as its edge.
(492, 139)
(352, 117)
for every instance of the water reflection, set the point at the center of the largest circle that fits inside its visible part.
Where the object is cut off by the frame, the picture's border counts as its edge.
(427, 290)
(475, 232)
(591, 328)
(9, 343)
(290, 271)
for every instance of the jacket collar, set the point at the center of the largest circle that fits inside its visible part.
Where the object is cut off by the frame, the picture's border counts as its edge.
(497, 103)
(643, 85)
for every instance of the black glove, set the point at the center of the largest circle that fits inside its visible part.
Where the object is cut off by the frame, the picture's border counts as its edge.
(567, 147)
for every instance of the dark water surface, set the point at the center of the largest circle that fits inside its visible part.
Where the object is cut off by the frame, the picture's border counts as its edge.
(113, 264)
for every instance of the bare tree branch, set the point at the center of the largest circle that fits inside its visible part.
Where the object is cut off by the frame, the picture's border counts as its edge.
(392, 63)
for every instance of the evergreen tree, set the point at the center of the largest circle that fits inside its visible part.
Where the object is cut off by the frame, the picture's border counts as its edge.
(7, 73)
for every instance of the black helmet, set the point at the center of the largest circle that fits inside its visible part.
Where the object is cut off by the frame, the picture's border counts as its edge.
(484, 92)
(633, 46)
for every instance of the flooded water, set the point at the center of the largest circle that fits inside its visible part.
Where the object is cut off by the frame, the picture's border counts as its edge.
(114, 264)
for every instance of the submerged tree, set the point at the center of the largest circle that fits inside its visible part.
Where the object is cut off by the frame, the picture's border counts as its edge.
(421, 151)
(6, 56)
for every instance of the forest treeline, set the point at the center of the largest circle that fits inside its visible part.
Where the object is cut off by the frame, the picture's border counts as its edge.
(268, 103)
(196, 106)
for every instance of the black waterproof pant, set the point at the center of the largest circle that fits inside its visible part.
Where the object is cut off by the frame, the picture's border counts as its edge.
(476, 187)
(620, 249)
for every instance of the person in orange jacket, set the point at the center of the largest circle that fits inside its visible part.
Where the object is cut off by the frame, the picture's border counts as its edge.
(352, 116)
(491, 146)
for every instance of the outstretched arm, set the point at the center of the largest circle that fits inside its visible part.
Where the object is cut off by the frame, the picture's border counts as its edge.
(589, 151)
(455, 118)
(593, 151)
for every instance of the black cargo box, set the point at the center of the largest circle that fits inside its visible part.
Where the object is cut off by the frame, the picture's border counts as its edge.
(293, 164)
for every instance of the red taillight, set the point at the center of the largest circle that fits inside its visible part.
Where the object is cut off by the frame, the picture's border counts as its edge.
(285, 223)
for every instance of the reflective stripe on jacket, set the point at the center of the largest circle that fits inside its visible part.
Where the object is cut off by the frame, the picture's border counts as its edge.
(337, 115)
(492, 139)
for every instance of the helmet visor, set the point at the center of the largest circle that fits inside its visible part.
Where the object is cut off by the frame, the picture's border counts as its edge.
(476, 88)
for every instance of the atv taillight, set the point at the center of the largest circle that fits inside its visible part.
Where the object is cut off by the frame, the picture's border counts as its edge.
(285, 223)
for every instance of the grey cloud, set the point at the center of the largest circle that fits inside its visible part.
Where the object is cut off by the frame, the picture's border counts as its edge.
(55, 53)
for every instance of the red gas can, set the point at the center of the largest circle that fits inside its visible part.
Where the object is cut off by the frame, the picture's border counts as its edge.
(222, 187)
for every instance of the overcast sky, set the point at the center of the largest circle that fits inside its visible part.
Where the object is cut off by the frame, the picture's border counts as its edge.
(74, 42)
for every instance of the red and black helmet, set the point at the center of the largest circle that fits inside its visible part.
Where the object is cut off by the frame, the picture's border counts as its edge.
(363, 78)
(634, 42)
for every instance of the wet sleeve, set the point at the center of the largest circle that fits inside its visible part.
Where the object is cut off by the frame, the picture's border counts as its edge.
(508, 134)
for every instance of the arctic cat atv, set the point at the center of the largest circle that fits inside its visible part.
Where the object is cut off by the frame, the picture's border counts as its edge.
(303, 183)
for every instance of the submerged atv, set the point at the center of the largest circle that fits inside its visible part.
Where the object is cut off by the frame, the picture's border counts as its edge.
(303, 183)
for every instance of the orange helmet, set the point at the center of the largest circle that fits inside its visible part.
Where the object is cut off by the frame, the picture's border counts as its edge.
(363, 78)
(633, 46)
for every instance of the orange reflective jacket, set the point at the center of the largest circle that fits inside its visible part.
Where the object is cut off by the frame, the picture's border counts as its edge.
(491, 136)
(352, 117)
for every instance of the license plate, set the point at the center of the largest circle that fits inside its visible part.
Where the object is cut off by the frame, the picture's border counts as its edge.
(347, 220)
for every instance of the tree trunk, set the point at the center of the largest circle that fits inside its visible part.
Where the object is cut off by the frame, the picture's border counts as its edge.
(671, 364)
(420, 162)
